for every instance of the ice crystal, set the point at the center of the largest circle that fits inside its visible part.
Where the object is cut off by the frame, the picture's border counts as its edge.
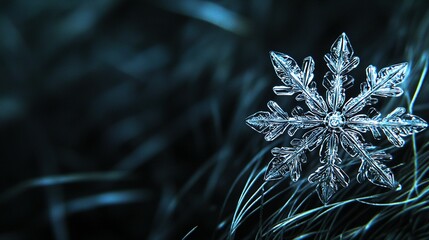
(334, 122)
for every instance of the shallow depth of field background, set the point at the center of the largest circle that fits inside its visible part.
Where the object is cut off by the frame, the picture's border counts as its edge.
(125, 119)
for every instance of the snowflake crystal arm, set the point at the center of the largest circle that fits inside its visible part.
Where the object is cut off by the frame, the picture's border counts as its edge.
(274, 123)
(288, 159)
(395, 125)
(372, 166)
(297, 81)
(329, 176)
(340, 61)
(382, 84)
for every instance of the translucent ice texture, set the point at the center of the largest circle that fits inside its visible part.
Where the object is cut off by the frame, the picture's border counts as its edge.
(334, 122)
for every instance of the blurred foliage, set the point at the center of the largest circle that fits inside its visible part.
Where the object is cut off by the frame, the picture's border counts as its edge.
(125, 119)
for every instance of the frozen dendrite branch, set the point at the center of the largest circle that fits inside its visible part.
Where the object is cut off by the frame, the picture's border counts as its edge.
(334, 122)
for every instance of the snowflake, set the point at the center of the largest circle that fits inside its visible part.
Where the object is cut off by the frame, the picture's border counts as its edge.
(334, 121)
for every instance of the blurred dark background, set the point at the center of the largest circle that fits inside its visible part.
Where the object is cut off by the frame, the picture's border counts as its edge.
(125, 119)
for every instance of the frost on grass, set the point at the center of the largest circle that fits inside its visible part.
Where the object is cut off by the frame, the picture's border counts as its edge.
(334, 123)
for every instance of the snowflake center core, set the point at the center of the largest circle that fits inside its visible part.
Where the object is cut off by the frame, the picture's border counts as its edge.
(335, 120)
